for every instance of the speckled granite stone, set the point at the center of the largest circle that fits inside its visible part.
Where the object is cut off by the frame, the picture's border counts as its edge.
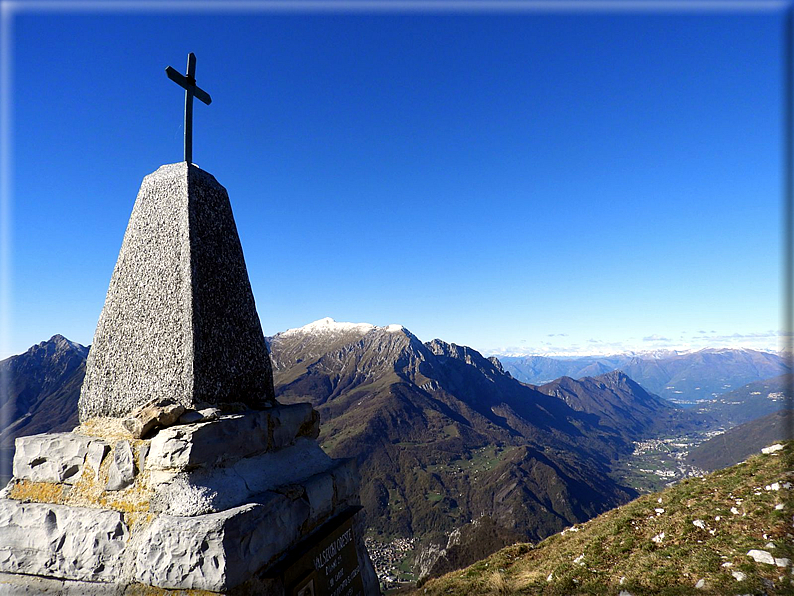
(179, 319)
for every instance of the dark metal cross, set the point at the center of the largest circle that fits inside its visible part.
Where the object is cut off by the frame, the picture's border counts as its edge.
(191, 90)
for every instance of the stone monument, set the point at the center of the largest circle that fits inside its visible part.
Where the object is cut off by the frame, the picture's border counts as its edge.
(184, 474)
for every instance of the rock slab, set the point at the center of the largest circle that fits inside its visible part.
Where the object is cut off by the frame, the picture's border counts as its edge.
(59, 541)
(179, 320)
(220, 550)
(56, 457)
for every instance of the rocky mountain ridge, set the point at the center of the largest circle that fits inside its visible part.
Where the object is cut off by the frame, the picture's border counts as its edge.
(43, 385)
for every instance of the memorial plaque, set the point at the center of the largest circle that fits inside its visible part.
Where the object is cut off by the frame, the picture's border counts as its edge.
(328, 565)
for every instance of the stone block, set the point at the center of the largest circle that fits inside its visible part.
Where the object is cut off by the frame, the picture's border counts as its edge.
(56, 457)
(60, 541)
(209, 443)
(346, 480)
(156, 414)
(32, 585)
(122, 468)
(230, 437)
(293, 421)
(320, 494)
(218, 551)
(207, 490)
(97, 450)
(179, 320)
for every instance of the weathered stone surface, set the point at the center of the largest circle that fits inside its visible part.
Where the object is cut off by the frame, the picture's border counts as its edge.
(346, 479)
(231, 436)
(97, 450)
(203, 415)
(220, 550)
(56, 457)
(156, 414)
(179, 319)
(320, 494)
(32, 585)
(761, 556)
(122, 468)
(290, 422)
(209, 490)
(60, 541)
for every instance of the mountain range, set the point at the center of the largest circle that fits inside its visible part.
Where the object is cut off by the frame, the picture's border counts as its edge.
(750, 401)
(684, 377)
(443, 435)
(452, 449)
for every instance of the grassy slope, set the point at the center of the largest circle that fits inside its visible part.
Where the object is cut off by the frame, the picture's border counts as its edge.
(618, 545)
(741, 441)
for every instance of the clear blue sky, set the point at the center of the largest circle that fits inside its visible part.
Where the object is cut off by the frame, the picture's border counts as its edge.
(575, 181)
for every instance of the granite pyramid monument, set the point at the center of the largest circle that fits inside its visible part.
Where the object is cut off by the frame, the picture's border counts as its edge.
(185, 473)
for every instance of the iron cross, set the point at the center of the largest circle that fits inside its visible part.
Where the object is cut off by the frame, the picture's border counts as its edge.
(188, 82)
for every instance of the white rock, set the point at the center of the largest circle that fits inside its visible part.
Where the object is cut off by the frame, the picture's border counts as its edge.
(701, 583)
(782, 562)
(769, 545)
(734, 511)
(231, 437)
(550, 577)
(55, 457)
(699, 523)
(122, 469)
(59, 541)
(218, 551)
(659, 510)
(727, 564)
(772, 448)
(761, 556)
(97, 450)
(202, 491)
(625, 593)
(658, 538)
(779, 506)
(739, 576)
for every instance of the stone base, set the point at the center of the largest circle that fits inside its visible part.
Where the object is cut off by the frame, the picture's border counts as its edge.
(210, 506)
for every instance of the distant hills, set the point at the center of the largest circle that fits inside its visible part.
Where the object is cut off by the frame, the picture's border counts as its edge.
(738, 443)
(621, 404)
(726, 533)
(750, 401)
(684, 377)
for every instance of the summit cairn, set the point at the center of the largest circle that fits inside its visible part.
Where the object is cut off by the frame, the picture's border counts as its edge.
(185, 473)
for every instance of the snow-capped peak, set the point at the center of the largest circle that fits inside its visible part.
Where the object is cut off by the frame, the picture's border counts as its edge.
(328, 326)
